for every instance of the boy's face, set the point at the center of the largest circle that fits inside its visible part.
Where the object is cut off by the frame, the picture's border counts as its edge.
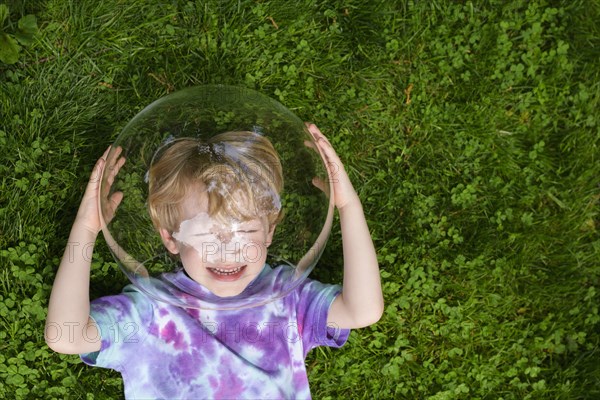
(223, 255)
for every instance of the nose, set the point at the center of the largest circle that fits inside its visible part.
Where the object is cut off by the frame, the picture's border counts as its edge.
(224, 237)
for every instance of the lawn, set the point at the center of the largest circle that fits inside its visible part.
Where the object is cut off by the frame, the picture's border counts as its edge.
(469, 128)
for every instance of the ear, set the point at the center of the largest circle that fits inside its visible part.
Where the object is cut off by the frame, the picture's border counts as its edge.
(168, 240)
(270, 235)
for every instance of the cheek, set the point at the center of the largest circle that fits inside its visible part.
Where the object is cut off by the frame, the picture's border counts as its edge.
(187, 253)
(201, 251)
(253, 252)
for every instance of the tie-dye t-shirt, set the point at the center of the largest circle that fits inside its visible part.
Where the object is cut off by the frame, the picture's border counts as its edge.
(164, 351)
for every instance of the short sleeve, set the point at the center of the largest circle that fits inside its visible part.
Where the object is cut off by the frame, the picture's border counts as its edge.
(315, 299)
(123, 322)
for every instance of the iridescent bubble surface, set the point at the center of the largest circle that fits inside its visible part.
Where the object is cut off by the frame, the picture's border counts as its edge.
(251, 199)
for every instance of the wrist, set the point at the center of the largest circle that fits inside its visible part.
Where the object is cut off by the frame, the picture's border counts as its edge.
(352, 202)
(83, 232)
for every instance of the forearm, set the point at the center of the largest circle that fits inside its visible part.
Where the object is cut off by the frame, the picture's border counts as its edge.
(69, 304)
(362, 295)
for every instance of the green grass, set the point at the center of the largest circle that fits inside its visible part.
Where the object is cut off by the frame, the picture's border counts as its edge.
(470, 130)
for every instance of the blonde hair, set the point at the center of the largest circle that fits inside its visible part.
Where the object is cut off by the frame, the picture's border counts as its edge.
(231, 163)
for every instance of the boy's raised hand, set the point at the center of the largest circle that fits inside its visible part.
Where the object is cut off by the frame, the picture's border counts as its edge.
(361, 301)
(69, 303)
(88, 216)
(344, 192)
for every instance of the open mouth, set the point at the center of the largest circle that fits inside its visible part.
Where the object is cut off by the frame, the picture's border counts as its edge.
(227, 274)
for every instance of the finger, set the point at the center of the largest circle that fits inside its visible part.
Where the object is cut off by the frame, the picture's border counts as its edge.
(329, 157)
(98, 169)
(316, 132)
(320, 184)
(318, 149)
(106, 152)
(110, 178)
(107, 181)
(317, 135)
(312, 128)
(96, 173)
(120, 163)
(114, 170)
(110, 159)
(310, 145)
(316, 145)
(116, 162)
(115, 200)
(328, 154)
(113, 155)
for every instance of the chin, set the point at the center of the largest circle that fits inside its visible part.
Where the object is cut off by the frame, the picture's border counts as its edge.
(227, 292)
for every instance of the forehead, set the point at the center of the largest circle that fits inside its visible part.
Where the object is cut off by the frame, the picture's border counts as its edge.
(194, 202)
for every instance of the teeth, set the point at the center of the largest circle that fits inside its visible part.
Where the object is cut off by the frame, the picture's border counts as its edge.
(227, 271)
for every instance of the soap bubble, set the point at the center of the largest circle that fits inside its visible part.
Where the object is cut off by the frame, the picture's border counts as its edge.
(249, 163)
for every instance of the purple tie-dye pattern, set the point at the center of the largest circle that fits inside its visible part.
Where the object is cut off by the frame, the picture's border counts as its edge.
(230, 385)
(251, 353)
(185, 367)
(172, 335)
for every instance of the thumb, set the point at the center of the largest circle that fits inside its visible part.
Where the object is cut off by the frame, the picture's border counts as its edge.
(321, 185)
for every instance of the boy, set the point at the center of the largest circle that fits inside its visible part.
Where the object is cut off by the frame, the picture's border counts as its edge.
(200, 204)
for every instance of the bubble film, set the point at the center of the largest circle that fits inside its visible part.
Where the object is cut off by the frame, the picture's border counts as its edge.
(217, 184)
